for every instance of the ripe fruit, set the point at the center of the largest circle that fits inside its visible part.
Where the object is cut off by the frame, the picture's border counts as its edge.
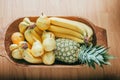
(48, 58)
(16, 54)
(17, 37)
(13, 47)
(69, 51)
(27, 55)
(80, 27)
(31, 35)
(48, 41)
(47, 35)
(43, 22)
(62, 30)
(49, 44)
(37, 49)
(66, 50)
(61, 35)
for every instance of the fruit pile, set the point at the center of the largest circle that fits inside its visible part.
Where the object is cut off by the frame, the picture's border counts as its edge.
(53, 38)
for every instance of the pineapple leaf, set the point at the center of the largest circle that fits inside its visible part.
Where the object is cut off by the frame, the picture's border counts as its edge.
(92, 55)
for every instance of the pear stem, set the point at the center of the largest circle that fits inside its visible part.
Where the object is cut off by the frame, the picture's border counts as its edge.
(42, 13)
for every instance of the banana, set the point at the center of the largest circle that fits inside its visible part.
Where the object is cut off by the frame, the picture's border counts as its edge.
(16, 54)
(36, 35)
(59, 29)
(73, 25)
(27, 23)
(29, 36)
(37, 49)
(13, 47)
(27, 56)
(38, 31)
(26, 20)
(23, 26)
(69, 37)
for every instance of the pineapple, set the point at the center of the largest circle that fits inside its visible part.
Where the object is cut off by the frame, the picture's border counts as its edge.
(66, 50)
(69, 51)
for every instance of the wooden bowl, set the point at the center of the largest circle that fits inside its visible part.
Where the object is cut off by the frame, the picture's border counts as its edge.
(99, 38)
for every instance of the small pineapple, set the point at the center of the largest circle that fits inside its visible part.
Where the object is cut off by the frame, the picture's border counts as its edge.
(66, 50)
(69, 51)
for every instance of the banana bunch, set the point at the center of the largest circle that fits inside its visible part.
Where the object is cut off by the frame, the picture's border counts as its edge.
(23, 51)
(25, 24)
(74, 30)
(28, 55)
(30, 30)
(17, 49)
(36, 53)
(31, 35)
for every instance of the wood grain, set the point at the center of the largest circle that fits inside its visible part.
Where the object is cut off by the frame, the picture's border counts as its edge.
(103, 13)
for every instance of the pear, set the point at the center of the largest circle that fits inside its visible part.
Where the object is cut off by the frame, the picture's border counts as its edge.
(43, 22)
(37, 49)
(17, 37)
(49, 44)
(48, 58)
(47, 35)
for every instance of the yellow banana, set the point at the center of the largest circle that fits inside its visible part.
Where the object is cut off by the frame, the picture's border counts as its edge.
(27, 56)
(29, 36)
(23, 26)
(73, 25)
(27, 23)
(16, 54)
(66, 24)
(37, 49)
(13, 47)
(59, 29)
(36, 35)
(69, 37)
(39, 32)
(26, 20)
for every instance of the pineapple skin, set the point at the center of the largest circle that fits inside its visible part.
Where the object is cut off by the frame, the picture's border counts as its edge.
(66, 50)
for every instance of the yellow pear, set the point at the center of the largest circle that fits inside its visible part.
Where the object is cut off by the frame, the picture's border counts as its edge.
(43, 22)
(49, 44)
(47, 35)
(37, 49)
(48, 58)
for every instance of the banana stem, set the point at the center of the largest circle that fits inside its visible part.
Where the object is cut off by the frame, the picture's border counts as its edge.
(32, 26)
(24, 46)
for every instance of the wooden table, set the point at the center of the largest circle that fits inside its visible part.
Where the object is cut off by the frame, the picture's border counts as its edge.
(104, 13)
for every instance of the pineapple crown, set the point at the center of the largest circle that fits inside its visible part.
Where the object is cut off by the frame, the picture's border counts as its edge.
(94, 54)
